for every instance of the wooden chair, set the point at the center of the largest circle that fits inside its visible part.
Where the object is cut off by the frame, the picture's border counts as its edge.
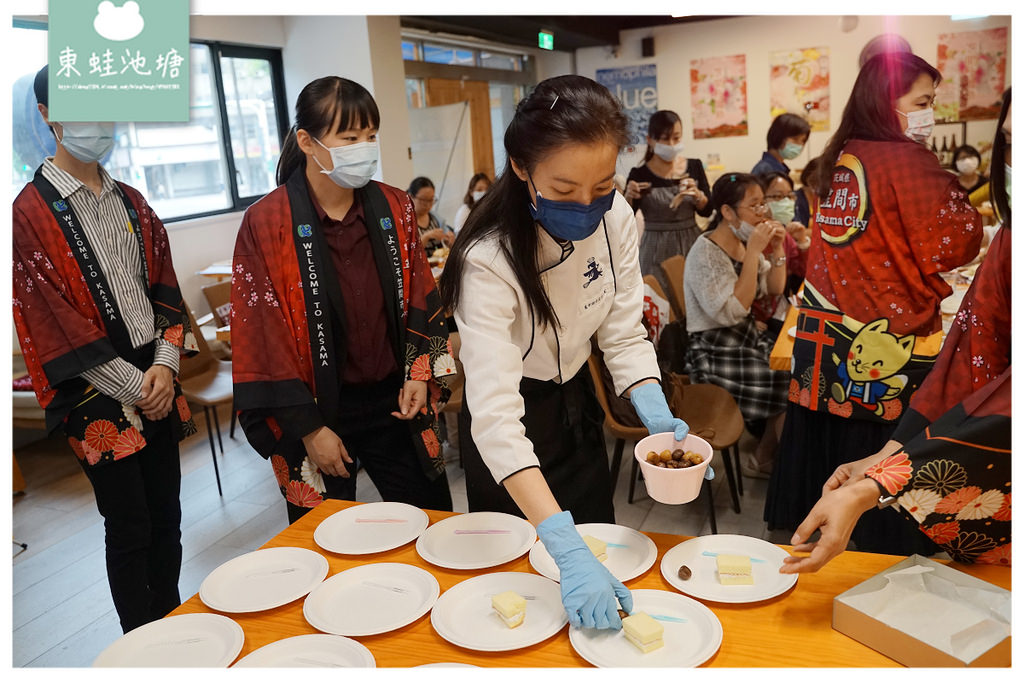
(672, 268)
(456, 384)
(620, 428)
(218, 296)
(712, 414)
(206, 381)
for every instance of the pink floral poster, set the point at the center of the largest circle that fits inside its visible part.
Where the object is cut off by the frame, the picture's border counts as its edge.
(718, 96)
(799, 85)
(973, 67)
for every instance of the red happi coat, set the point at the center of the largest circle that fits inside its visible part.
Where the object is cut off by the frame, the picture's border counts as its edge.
(270, 334)
(953, 475)
(869, 324)
(62, 332)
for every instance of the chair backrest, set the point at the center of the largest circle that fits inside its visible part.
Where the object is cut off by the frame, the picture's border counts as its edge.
(672, 268)
(219, 298)
(197, 364)
(620, 419)
(653, 283)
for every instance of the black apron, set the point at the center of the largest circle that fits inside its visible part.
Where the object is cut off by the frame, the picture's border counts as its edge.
(565, 424)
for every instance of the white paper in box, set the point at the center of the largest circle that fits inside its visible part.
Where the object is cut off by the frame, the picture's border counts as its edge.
(946, 611)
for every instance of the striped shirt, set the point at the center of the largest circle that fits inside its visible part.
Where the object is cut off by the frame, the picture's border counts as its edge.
(106, 225)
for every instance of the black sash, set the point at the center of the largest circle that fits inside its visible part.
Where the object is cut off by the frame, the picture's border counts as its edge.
(321, 290)
(85, 256)
(387, 255)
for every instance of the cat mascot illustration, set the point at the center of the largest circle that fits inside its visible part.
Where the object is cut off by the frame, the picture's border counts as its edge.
(869, 375)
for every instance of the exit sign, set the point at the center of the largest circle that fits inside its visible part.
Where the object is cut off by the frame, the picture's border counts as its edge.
(546, 40)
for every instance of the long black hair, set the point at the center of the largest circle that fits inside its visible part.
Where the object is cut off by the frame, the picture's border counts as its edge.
(997, 174)
(660, 124)
(729, 190)
(325, 105)
(477, 177)
(564, 110)
(870, 112)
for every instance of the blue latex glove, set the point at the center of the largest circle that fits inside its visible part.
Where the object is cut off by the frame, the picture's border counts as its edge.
(651, 407)
(589, 590)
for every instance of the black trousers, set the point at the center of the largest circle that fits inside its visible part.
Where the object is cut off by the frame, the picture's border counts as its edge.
(383, 445)
(564, 423)
(138, 498)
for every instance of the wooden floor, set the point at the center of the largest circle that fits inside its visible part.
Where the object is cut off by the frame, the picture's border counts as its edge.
(62, 612)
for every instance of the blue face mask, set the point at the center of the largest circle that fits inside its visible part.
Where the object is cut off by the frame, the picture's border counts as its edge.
(570, 220)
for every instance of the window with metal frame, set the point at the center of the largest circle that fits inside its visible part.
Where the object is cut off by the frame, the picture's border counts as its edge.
(221, 160)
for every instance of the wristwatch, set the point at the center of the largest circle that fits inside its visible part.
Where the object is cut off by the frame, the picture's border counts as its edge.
(885, 499)
(781, 260)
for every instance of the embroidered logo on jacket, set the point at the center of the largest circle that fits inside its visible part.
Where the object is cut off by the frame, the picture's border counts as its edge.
(305, 230)
(60, 205)
(592, 273)
(386, 224)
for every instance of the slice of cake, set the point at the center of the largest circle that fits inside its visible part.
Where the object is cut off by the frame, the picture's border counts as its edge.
(597, 546)
(643, 631)
(510, 606)
(734, 570)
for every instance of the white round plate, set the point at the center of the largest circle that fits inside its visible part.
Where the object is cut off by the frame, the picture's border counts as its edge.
(371, 599)
(184, 640)
(312, 649)
(625, 563)
(690, 642)
(792, 332)
(463, 615)
(370, 528)
(699, 555)
(476, 540)
(263, 579)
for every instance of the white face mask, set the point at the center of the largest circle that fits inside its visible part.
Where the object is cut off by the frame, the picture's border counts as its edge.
(478, 195)
(668, 152)
(919, 124)
(967, 165)
(354, 165)
(743, 232)
(87, 142)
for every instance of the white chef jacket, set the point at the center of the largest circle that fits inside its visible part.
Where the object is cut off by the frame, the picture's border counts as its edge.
(594, 285)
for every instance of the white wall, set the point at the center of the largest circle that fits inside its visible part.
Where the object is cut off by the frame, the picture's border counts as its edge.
(389, 91)
(757, 38)
(261, 31)
(196, 244)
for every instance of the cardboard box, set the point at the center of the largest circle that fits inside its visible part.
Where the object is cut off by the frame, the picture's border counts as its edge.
(923, 613)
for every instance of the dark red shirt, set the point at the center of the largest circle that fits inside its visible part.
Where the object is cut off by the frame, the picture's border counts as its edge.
(369, 357)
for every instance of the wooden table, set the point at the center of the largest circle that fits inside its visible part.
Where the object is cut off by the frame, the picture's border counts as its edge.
(217, 269)
(782, 352)
(791, 630)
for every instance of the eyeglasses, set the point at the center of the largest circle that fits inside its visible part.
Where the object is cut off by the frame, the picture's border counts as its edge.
(424, 200)
(779, 197)
(761, 207)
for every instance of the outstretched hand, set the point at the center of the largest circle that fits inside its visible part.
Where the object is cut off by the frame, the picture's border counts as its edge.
(835, 515)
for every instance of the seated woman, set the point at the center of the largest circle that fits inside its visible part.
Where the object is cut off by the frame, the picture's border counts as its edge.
(478, 186)
(805, 197)
(781, 199)
(786, 139)
(966, 161)
(725, 272)
(434, 232)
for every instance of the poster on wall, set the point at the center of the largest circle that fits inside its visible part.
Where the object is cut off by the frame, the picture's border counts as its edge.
(637, 88)
(799, 85)
(718, 96)
(973, 67)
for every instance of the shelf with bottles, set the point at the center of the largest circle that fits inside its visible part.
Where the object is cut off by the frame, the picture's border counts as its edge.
(945, 138)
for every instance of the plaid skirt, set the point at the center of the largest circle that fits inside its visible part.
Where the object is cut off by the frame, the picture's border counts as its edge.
(736, 359)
